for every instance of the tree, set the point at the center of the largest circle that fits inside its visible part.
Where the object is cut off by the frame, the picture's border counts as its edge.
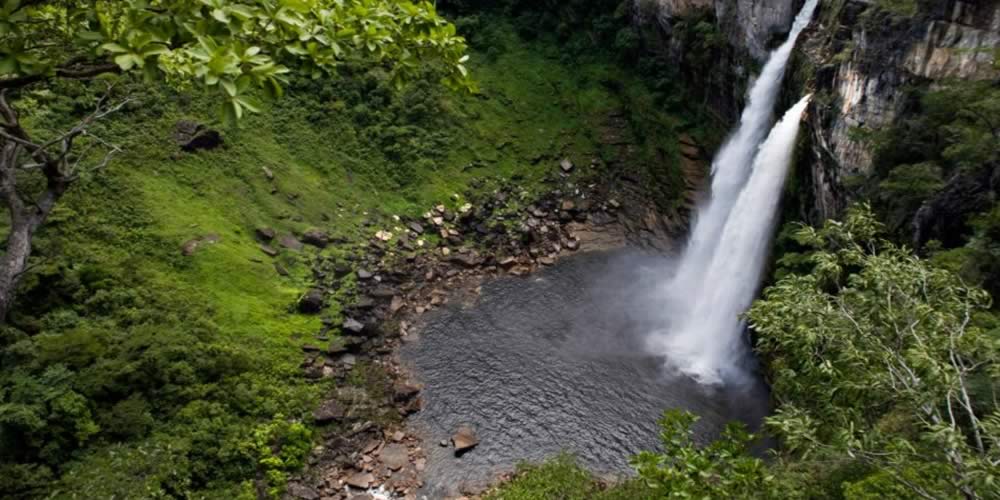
(240, 49)
(878, 358)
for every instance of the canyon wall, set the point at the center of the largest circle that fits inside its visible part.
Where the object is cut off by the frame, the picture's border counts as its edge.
(859, 58)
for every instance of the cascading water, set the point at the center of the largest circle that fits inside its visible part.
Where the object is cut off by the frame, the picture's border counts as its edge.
(720, 269)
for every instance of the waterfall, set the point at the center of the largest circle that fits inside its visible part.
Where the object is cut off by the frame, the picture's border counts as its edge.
(720, 269)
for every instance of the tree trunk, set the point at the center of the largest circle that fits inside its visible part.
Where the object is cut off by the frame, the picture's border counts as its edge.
(14, 262)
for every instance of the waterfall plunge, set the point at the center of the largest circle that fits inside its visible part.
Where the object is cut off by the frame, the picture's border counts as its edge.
(721, 266)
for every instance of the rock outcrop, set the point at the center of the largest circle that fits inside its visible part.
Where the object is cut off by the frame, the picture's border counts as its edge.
(859, 58)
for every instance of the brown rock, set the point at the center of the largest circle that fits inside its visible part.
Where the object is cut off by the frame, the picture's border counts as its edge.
(361, 480)
(464, 439)
(394, 456)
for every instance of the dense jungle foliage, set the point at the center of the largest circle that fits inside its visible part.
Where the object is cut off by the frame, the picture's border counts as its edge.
(130, 370)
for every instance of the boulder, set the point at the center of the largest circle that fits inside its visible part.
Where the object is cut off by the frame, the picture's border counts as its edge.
(311, 302)
(316, 238)
(464, 439)
(328, 411)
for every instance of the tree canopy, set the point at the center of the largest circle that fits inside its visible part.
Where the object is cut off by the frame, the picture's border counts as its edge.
(231, 46)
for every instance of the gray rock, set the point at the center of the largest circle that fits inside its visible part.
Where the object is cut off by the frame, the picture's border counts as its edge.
(416, 227)
(265, 233)
(365, 274)
(566, 165)
(352, 325)
(269, 250)
(329, 411)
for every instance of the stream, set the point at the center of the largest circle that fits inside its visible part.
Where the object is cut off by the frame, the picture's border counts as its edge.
(555, 362)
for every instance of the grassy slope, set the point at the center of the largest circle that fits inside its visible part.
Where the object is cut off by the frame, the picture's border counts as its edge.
(119, 235)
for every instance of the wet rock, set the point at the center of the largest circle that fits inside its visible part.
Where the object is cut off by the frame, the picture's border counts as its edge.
(311, 302)
(265, 233)
(316, 238)
(394, 456)
(329, 411)
(352, 326)
(361, 480)
(464, 439)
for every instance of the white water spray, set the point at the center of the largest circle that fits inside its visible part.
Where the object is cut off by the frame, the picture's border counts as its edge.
(720, 270)
(707, 343)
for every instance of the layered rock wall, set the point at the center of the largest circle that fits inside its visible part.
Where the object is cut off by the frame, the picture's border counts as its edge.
(858, 57)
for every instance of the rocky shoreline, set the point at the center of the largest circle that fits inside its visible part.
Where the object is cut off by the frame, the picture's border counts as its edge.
(367, 451)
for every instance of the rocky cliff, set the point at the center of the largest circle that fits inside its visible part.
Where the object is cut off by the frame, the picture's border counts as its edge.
(859, 57)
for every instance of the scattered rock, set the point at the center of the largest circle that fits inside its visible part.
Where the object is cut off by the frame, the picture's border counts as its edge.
(316, 238)
(329, 411)
(402, 391)
(265, 233)
(416, 227)
(568, 205)
(383, 235)
(311, 302)
(466, 260)
(269, 250)
(464, 439)
(364, 274)
(352, 325)
(290, 242)
(268, 173)
(396, 304)
(394, 456)
(360, 480)
(566, 165)
(298, 490)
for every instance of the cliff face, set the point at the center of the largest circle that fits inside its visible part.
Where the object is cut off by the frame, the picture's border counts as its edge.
(857, 57)
(860, 61)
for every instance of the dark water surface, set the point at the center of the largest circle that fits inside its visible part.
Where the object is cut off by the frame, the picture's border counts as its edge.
(554, 362)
